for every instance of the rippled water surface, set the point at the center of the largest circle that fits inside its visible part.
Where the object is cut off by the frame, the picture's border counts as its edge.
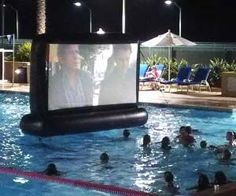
(130, 166)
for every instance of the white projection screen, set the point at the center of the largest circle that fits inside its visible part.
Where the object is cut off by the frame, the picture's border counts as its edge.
(91, 75)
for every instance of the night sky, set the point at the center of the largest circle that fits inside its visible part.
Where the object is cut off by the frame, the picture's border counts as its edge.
(202, 20)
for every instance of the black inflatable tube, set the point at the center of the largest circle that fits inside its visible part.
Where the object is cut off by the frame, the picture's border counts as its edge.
(55, 124)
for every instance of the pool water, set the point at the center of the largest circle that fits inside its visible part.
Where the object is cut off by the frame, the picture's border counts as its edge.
(130, 165)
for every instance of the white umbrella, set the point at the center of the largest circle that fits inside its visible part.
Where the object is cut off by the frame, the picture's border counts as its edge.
(167, 40)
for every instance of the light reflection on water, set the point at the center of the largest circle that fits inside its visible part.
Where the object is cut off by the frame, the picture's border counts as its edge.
(130, 166)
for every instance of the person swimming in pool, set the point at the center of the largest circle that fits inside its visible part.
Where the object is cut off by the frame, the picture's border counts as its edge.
(181, 132)
(165, 143)
(202, 184)
(170, 187)
(185, 137)
(225, 155)
(231, 138)
(220, 178)
(104, 158)
(146, 140)
(126, 133)
(203, 144)
(51, 170)
(221, 149)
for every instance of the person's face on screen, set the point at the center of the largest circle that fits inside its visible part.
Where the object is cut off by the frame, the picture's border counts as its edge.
(71, 57)
(122, 55)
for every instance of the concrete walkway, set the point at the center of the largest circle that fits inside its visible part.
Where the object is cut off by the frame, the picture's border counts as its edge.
(208, 99)
(16, 87)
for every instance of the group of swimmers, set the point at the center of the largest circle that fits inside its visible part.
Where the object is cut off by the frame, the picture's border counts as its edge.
(203, 182)
(186, 138)
(223, 152)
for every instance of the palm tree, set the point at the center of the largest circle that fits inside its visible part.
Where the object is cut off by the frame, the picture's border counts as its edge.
(41, 17)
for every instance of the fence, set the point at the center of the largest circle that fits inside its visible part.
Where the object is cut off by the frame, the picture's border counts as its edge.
(199, 54)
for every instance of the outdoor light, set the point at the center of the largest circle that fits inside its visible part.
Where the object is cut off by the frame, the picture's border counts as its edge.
(169, 2)
(100, 31)
(79, 4)
(17, 71)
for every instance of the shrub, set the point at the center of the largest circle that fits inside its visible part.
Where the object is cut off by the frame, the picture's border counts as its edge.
(23, 52)
(218, 67)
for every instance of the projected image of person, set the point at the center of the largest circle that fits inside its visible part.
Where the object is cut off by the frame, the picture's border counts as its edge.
(70, 86)
(119, 84)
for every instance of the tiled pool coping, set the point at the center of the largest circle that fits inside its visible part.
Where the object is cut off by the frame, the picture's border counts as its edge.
(219, 109)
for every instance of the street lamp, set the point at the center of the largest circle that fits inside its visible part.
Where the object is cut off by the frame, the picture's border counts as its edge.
(3, 17)
(123, 16)
(169, 2)
(79, 4)
(17, 18)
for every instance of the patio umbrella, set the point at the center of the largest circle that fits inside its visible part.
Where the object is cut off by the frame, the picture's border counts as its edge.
(168, 40)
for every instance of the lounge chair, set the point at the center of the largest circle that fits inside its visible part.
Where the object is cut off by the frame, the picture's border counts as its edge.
(142, 72)
(182, 75)
(199, 79)
(153, 75)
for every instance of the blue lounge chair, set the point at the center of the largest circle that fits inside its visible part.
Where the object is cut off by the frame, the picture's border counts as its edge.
(199, 79)
(142, 71)
(154, 77)
(182, 75)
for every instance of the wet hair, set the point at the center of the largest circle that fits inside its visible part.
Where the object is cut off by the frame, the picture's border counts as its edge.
(51, 170)
(165, 141)
(203, 182)
(231, 133)
(182, 128)
(226, 154)
(220, 178)
(146, 139)
(188, 129)
(126, 133)
(104, 157)
(203, 144)
(169, 177)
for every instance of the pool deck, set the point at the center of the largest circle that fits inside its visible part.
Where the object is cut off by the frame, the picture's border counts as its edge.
(16, 87)
(203, 99)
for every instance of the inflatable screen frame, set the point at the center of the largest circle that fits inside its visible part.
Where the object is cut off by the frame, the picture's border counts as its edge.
(47, 120)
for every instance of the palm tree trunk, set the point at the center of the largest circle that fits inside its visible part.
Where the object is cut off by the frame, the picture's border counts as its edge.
(41, 17)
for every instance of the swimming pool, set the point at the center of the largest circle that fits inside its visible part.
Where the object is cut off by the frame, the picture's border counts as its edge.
(130, 166)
